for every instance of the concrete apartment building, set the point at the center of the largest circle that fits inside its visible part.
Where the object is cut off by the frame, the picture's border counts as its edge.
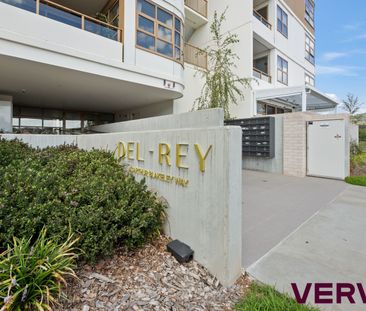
(66, 65)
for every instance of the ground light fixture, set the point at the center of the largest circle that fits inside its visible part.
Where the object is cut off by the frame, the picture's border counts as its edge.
(180, 251)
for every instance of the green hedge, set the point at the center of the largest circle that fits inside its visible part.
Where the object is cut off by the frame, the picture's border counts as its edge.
(357, 180)
(65, 186)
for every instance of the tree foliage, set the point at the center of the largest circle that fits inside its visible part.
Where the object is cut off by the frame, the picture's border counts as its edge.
(222, 86)
(352, 104)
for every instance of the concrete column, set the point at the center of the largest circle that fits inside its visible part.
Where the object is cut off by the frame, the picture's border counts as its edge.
(303, 101)
(6, 113)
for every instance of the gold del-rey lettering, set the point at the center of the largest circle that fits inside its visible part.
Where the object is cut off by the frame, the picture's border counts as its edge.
(132, 151)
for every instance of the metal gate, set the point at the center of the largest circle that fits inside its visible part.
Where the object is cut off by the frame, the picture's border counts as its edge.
(326, 149)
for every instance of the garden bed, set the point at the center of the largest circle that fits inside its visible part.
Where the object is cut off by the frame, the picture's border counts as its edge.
(150, 279)
(358, 168)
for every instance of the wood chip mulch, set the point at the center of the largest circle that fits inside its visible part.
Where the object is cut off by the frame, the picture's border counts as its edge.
(150, 279)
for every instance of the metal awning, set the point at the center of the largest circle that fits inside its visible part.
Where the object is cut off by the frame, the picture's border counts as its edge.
(302, 98)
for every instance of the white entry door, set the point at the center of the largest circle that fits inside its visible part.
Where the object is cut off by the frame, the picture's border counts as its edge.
(326, 153)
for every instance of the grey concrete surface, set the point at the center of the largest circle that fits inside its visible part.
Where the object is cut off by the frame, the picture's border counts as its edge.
(275, 205)
(329, 248)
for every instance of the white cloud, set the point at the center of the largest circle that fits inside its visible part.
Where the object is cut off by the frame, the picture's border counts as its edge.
(333, 96)
(337, 70)
(330, 56)
(352, 27)
(361, 36)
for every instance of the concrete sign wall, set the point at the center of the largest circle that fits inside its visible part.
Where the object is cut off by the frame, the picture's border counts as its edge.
(197, 171)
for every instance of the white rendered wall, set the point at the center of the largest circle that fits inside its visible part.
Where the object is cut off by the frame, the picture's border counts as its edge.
(197, 119)
(238, 21)
(47, 41)
(6, 114)
(292, 48)
(354, 133)
(148, 111)
(193, 86)
(43, 141)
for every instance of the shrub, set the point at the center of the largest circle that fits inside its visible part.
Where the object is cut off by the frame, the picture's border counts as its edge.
(32, 274)
(358, 164)
(362, 132)
(356, 180)
(56, 187)
(355, 149)
(14, 150)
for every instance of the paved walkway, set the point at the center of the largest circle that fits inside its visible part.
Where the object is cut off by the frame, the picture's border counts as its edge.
(330, 247)
(276, 205)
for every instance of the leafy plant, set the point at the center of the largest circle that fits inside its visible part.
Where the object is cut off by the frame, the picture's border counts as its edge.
(358, 164)
(102, 17)
(362, 133)
(12, 151)
(356, 180)
(32, 275)
(355, 149)
(222, 86)
(57, 187)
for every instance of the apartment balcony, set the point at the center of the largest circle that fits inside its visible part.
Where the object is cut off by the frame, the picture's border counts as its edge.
(264, 19)
(263, 64)
(196, 12)
(57, 54)
(257, 73)
(199, 6)
(69, 16)
(195, 56)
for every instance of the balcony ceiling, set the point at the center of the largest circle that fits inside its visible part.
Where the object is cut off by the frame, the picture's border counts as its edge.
(40, 85)
(259, 48)
(87, 7)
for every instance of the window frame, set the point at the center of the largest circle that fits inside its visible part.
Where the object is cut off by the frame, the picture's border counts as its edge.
(280, 22)
(310, 12)
(311, 80)
(277, 109)
(309, 49)
(281, 61)
(155, 35)
(110, 18)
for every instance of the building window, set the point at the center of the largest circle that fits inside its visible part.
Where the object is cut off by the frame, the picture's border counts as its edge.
(113, 14)
(309, 80)
(282, 70)
(282, 21)
(310, 49)
(309, 12)
(159, 31)
(268, 109)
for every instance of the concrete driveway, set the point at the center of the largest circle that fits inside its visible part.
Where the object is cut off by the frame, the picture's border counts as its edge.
(330, 247)
(276, 205)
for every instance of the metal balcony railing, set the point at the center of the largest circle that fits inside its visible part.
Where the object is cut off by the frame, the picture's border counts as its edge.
(262, 19)
(195, 56)
(262, 75)
(200, 6)
(68, 16)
